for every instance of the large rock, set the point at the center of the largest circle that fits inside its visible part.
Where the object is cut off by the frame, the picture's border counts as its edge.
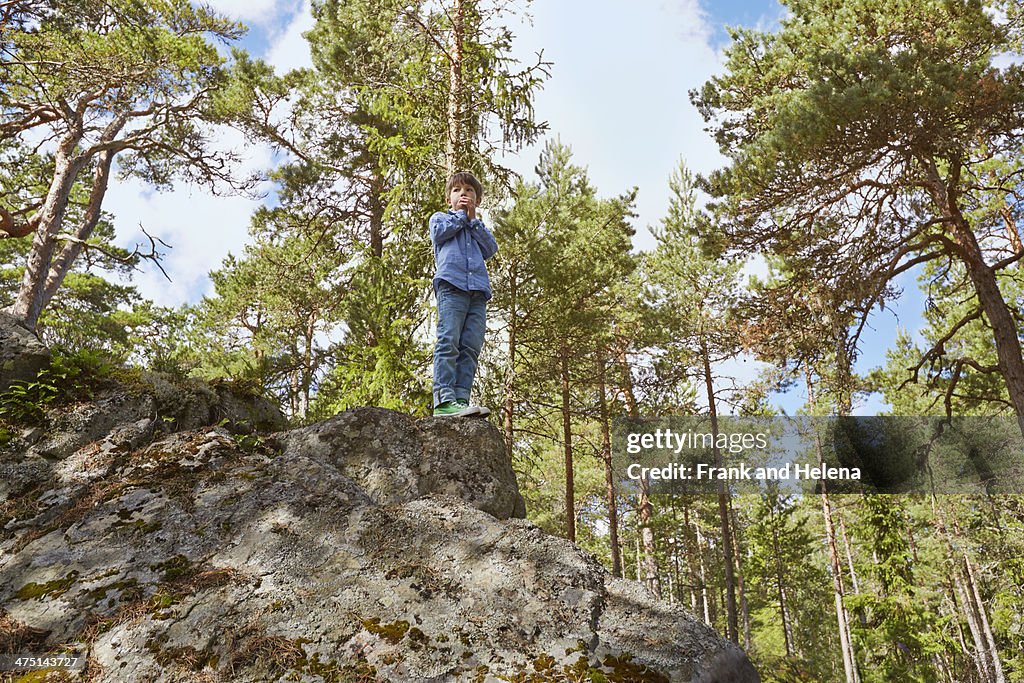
(120, 418)
(22, 355)
(370, 547)
(395, 458)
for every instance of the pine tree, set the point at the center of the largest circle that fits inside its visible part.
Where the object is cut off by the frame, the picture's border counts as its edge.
(122, 79)
(863, 136)
(697, 291)
(399, 94)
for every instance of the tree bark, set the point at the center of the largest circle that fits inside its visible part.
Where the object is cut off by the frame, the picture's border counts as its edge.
(632, 408)
(723, 507)
(455, 84)
(651, 579)
(646, 509)
(609, 475)
(740, 582)
(570, 503)
(780, 582)
(983, 278)
(969, 609)
(849, 552)
(510, 371)
(639, 562)
(28, 303)
(11, 228)
(986, 627)
(1012, 233)
(977, 605)
(835, 565)
(691, 568)
(705, 598)
(62, 264)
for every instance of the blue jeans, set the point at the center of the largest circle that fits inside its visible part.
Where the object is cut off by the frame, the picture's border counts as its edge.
(461, 323)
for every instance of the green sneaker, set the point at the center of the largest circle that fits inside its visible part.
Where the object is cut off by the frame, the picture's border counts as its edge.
(455, 409)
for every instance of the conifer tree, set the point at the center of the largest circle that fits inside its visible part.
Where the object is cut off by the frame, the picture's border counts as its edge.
(399, 93)
(698, 291)
(862, 137)
(120, 79)
(563, 246)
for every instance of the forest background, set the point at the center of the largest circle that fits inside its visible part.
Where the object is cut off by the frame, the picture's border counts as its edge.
(869, 159)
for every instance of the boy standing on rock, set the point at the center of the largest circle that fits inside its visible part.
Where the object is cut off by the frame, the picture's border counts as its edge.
(462, 243)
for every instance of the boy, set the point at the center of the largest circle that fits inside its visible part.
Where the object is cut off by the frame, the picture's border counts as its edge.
(461, 245)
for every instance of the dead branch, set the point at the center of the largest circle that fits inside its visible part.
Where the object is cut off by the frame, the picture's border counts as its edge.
(151, 255)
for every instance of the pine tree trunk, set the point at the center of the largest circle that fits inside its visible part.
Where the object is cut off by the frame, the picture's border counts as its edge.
(848, 552)
(845, 639)
(846, 642)
(29, 301)
(962, 598)
(740, 583)
(639, 561)
(609, 475)
(632, 409)
(62, 264)
(307, 365)
(974, 595)
(455, 84)
(981, 658)
(691, 569)
(848, 549)
(647, 534)
(723, 508)
(787, 632)
(570, 502)
(960, 614)
(510, 372)
(1011, 229)
(646, 509)
(983, 278)
(675, 592)
(376, 245)
(955, 613)
(986, 628)
(705, 598)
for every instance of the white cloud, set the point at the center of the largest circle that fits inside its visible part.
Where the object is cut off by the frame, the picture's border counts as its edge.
(255, 11)
(619, 93)
(289, 50)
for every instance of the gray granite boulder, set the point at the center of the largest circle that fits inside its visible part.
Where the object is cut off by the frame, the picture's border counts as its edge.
(370, 547)
(22, 354)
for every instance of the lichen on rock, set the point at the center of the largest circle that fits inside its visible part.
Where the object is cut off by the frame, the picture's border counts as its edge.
(370, 547)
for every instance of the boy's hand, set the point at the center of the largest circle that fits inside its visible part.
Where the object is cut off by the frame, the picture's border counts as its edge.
(467, 205)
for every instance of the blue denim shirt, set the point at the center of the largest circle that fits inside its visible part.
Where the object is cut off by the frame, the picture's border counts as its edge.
(460, 248)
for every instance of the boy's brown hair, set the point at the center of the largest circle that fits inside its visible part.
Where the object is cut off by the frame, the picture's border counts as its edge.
(465, 178)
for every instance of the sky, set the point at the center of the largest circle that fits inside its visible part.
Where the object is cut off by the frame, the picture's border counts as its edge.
(618, 96)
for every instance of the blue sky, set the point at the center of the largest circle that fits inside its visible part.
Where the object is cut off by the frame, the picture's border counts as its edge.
(618, 95)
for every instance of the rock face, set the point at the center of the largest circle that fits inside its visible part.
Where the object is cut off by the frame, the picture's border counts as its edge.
(22, 355)
(370, 547)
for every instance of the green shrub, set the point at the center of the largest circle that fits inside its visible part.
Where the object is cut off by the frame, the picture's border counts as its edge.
(69, 377)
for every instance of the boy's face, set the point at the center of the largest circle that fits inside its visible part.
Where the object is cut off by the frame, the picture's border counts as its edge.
(462, 197)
